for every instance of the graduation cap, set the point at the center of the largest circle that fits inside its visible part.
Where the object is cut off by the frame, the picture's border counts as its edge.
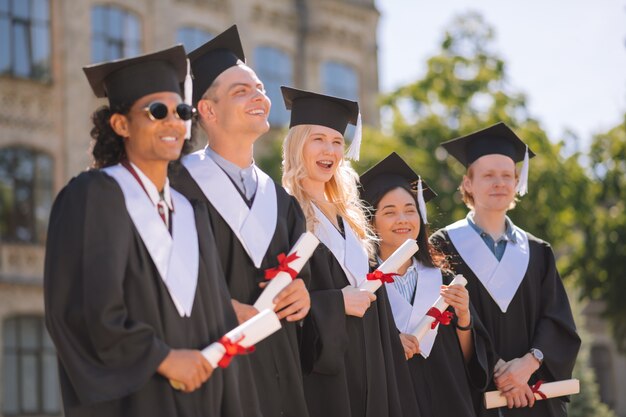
(390, 173)
(213, 58)
(123, 81)
(497, 139)
(308, 108)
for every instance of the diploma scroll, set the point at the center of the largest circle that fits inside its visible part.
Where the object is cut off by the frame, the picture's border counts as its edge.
(494, 399)
(245, 335)
(426, 322)
(392, 264)
(301, 252)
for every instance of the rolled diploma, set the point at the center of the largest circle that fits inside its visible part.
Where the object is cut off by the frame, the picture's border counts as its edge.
(424, 325)
(305, 246)
(493, 399)
(392, 264)
(254, 330)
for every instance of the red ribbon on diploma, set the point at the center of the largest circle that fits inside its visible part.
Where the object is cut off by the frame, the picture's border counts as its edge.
(535, 389)
(283, 266)
(443, 318)
(380, 275)
(233, 348)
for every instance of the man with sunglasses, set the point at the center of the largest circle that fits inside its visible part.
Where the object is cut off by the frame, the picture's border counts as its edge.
(253, 217)
(133, 289)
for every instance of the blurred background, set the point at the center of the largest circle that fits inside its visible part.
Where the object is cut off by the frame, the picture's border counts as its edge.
(423, 73)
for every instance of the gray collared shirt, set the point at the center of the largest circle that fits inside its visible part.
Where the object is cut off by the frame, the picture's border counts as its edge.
(244, 178)
(496, 247)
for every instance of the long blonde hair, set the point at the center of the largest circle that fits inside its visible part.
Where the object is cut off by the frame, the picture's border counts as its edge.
(341, 190)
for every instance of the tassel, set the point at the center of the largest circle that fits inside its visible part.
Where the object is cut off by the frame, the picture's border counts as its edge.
(522, 185)
(188, 91)
(420, 200)
(355, 147)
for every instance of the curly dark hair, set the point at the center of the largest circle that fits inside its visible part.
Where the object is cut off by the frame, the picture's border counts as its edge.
(108, 147)
(427, 255)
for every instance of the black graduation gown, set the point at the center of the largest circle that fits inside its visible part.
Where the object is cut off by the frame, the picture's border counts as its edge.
(444, 384)
(538, 316)
(275, 362)
(112, 319)
(353, 367)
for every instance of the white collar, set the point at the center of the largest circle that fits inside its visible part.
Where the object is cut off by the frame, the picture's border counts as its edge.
(501, 278)
(408, 315)
(348, 251)
(254, 226)
(175, 256)
(151, 189)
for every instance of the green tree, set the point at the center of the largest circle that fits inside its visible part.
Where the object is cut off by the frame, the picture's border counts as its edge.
(587, 403)
(602, 259)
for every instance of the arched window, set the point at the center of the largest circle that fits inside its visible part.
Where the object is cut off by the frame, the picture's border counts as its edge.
(25, 38)
(115, 34)
(274, 68)
(30, 380)
(25, 194)
(191, 38)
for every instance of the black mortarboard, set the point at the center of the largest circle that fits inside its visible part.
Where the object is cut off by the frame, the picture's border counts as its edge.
(125, 80)
(213, 58)
(390, 173)
(308, 108)
(496, 139)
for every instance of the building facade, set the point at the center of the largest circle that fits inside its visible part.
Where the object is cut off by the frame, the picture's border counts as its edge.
(46, 103)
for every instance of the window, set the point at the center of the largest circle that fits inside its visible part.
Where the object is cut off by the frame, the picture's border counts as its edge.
(340, 80)
(191, 38)
(274, 68)
(30, 380)
(115, 34)
(25, 194)
(25, 38)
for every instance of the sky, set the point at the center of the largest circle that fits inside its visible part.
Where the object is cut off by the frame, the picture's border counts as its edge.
(567, 56)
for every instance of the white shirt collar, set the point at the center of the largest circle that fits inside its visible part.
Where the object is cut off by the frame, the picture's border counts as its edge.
(152, 191)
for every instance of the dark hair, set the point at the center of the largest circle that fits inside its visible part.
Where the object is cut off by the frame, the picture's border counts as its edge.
(108, 148)
(427, 254)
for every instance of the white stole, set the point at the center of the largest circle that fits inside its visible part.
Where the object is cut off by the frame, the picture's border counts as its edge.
(175, 256)
(406, 315)
(255, 226)
(500, 278)
(349, 252)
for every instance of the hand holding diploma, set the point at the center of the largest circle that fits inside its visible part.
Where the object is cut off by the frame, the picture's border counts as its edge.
(388, 269)
(437, 314)
(287, 270)
(541, 391)
(240, 340)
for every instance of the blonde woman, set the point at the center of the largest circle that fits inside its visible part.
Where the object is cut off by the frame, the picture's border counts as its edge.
(353, 362)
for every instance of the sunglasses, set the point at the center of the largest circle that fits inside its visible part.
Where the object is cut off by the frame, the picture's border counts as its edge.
(159, 111)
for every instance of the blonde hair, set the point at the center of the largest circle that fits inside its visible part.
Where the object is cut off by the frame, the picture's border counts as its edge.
(468, 198)
(341, 190)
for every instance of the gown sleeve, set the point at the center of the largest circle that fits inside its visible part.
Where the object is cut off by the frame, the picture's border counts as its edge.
(555, 333)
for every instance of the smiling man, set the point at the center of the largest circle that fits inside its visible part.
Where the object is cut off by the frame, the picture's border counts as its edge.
(254, 219)
(133, 289)
(512, 277)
